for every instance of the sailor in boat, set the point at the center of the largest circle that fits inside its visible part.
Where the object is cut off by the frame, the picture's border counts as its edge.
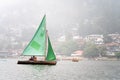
(33, 58)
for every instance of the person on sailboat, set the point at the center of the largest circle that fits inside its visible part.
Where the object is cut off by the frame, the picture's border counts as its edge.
(33, 58)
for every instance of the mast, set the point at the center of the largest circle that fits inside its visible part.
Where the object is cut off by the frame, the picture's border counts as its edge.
(46, 44)
(46, 38)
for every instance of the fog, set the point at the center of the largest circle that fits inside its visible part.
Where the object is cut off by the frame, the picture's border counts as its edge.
(19, 19)
(28, 13)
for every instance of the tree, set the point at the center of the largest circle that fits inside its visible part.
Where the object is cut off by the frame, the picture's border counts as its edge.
(107, 39)
(90, 50)
(101, 50)
(117, 54)
(68, 47)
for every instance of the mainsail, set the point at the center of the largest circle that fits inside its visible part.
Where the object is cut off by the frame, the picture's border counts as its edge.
(37, 44)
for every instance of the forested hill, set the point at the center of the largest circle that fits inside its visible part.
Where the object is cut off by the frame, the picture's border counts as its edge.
(89, 16)
(102, 17)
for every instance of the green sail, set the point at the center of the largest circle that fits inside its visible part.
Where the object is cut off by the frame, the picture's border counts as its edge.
(50, 54)
(37, 44)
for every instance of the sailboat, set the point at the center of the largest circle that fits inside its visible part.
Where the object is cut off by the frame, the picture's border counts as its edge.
(40, 45)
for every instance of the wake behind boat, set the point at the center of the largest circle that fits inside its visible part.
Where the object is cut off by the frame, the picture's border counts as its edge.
(40, 45)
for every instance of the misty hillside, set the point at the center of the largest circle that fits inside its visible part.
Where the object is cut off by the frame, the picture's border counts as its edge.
(103, 17)
(89, 16)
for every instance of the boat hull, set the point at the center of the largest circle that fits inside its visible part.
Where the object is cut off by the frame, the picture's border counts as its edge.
(38, 62)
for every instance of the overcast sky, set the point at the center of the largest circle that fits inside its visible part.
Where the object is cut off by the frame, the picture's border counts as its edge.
(57, 11)
(60, 14)
(28, 13)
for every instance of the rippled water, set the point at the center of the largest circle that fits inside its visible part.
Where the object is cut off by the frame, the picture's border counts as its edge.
(64, 70)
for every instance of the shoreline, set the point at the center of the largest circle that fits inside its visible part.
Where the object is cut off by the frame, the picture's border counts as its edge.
(65, 58)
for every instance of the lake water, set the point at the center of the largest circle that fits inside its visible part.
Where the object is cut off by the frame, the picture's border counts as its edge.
(64, 70)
